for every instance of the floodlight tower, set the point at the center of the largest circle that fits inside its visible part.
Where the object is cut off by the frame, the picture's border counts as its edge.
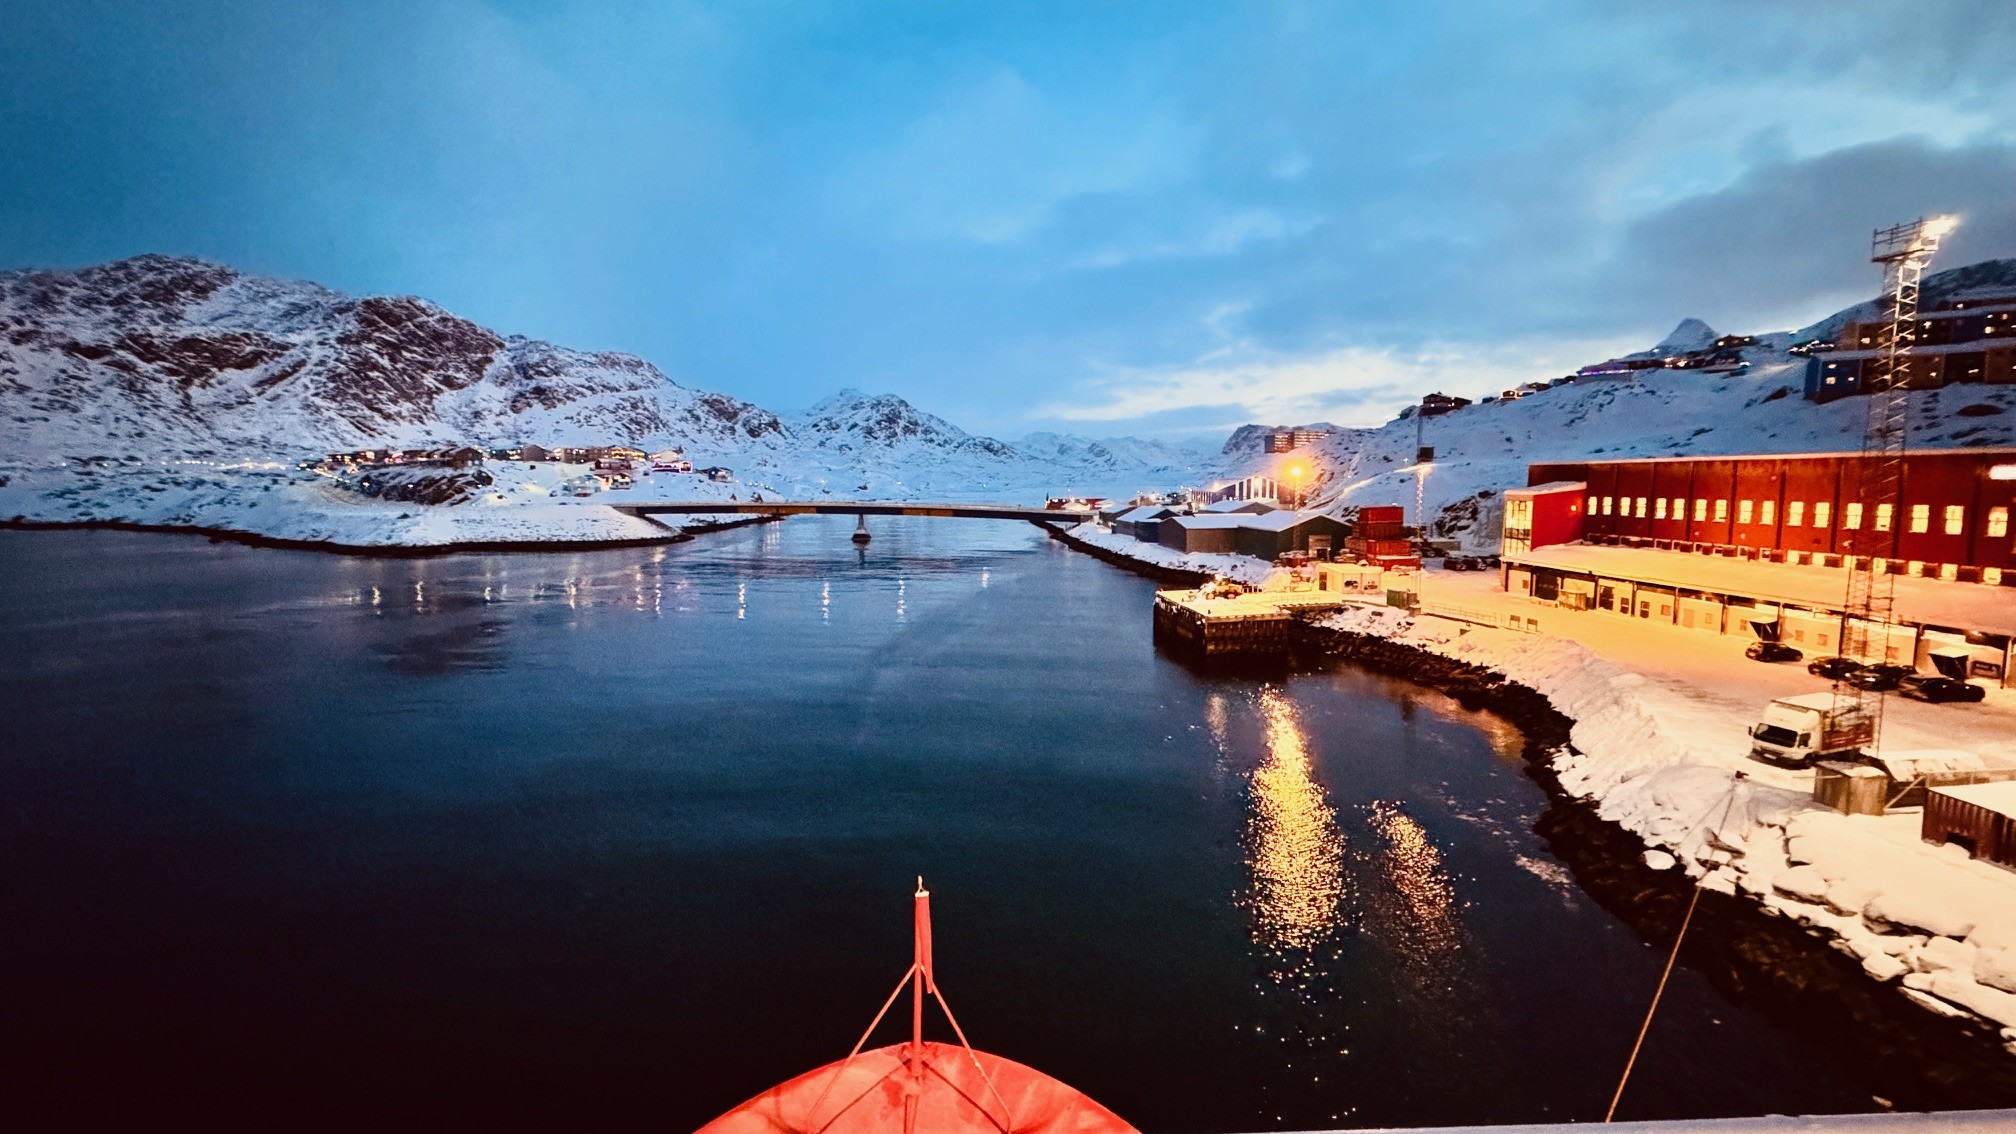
(1904, 251)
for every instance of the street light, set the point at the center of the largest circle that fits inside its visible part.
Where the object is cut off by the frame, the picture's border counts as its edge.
(1295, 472)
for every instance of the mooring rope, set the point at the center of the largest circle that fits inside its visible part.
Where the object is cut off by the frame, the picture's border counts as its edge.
(1661, 991)
(1728, 801)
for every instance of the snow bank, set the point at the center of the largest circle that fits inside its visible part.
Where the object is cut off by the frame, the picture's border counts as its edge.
(1659, 761)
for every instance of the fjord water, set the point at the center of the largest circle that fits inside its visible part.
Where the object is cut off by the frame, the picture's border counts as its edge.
(633, 832)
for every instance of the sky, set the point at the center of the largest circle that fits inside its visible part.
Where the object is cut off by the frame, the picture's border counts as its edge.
(1162, 219)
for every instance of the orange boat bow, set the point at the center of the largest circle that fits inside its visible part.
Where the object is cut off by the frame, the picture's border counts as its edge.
(873, 1093)
(920, 1087)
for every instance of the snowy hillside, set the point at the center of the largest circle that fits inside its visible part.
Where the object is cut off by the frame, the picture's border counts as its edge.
(161, 390)
(163, 357)
(1482, 449)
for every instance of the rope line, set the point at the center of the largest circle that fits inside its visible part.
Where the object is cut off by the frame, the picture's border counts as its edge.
(858, 1044)
(1006, 1110)
(1654, 1007)
(1727, 803)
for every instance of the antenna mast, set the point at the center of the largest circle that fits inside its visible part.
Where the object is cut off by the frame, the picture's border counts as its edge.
(1904, 251)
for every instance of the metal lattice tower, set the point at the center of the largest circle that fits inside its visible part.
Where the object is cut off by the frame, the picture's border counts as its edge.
(1904, 251)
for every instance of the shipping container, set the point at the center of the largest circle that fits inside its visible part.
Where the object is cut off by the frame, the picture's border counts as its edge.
(1979, 817)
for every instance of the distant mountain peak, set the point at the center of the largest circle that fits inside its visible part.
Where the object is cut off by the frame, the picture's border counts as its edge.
(851, 420)
(1691, 334)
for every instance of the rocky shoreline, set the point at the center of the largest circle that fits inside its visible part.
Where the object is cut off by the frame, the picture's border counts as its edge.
(1170, 576)
(1911, 1057)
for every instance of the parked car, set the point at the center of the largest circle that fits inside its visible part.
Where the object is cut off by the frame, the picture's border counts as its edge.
(1772, 652)
(1462, 563)
(1879, 678)
(1938, 689)
(1834, 669)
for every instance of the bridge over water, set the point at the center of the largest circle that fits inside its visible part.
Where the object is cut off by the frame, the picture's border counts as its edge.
(854, 508)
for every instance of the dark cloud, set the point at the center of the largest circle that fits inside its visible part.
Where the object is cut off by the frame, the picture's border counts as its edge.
(1791, 235)
(988, 212)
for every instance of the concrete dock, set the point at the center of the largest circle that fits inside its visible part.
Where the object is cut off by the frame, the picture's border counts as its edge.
(1254, 624)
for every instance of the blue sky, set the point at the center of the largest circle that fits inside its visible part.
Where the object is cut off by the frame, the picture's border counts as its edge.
(1106, 218)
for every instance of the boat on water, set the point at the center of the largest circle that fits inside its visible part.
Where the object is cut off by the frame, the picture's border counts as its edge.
(861, 529)
(920, 1085)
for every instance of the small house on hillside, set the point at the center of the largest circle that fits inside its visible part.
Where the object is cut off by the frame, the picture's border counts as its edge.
(534, 453)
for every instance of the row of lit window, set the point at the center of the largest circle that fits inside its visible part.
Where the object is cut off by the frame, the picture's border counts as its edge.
(1953, 517)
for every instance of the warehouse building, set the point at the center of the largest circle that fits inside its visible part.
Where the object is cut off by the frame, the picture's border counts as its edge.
(1951, 521)
(1264, 536)
(1717, 544)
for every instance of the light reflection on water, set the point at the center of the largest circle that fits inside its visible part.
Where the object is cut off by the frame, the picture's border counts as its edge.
(1296, 851)
(1416, 905)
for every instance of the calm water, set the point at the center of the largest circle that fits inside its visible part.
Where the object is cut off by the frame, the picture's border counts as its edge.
(633, 832)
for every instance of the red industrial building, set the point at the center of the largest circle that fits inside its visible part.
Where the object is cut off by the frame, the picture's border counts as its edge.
(1951, 521)
(1722, 544)
(1543, 514)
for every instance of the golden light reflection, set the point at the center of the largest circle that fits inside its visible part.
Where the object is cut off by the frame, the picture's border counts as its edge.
(1297, 854)
(1418, 900)
(1217, 715)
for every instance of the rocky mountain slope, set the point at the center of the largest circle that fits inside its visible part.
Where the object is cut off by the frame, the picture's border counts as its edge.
(160, 358)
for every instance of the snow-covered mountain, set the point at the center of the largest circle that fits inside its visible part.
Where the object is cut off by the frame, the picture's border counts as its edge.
(159, 356)
(1483, 449)
(164, 358)
(1120, 455)
(851, 421)
(1691, 334)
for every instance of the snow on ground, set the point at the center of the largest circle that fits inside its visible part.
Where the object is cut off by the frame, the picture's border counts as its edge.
(275, 501)
(1483, 449)
(1659, 741)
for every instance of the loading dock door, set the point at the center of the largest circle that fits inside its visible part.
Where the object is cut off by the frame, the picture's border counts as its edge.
(1655, 605)
(1701, 614)
(1613, 595)
(1810, 630)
